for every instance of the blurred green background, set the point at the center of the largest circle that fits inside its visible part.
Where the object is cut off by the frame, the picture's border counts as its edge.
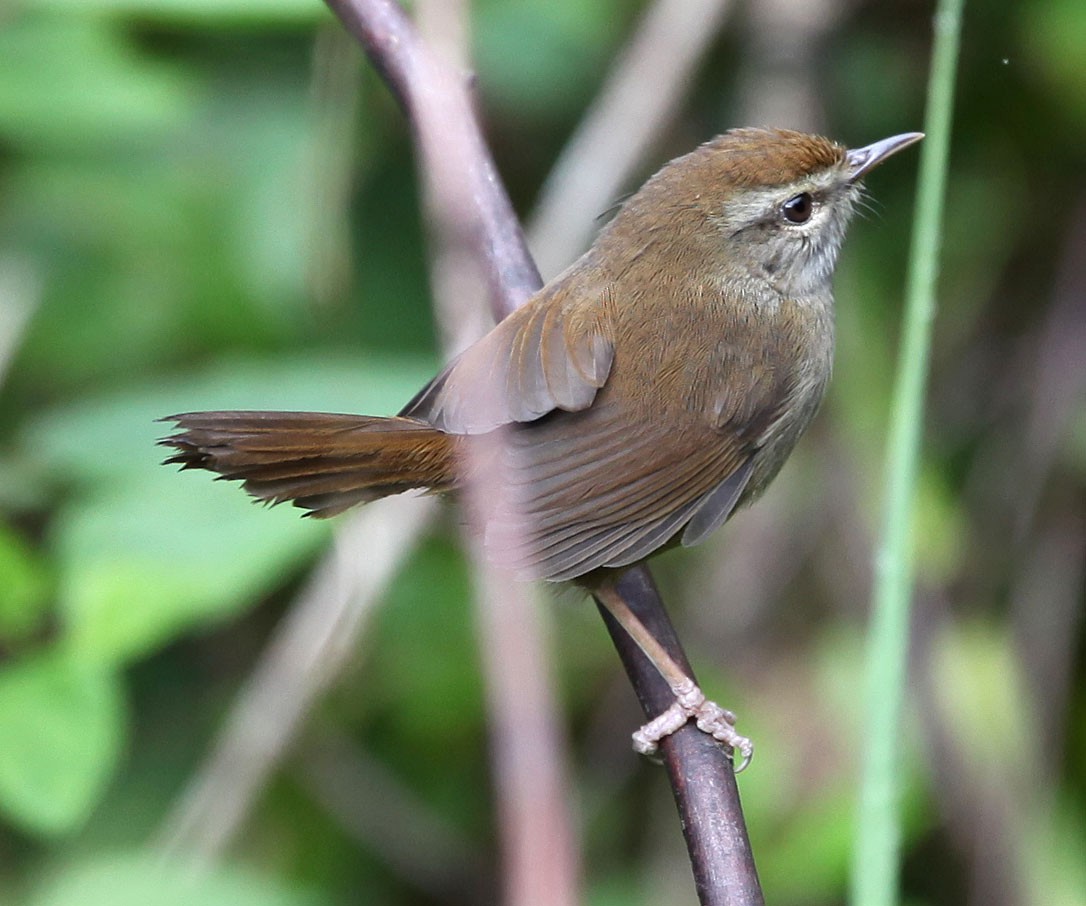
(213, 203)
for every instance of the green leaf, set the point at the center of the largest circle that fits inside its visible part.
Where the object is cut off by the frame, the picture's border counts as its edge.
(1054, 843)
(24, 587)
(443, 684)
(198, 12)
(139, 568)
(61, 724)
(132, 879)
(45, 85)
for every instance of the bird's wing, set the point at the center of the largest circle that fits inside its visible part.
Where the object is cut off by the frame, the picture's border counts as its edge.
(553, 353)
(592, 490)
(599, 479)
(608, 486)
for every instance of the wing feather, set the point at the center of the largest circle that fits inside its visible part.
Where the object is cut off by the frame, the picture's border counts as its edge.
(594, 491)
(531, 364)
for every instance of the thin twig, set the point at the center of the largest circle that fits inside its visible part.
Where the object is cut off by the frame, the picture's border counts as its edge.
(1051, 565)
(331, 170)
(360, 792)
(784, 48)
(1056, 387)
(310, 647)
(983, 807)
(20, 293)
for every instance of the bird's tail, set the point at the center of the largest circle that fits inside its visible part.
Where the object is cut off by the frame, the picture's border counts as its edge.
(321, 462)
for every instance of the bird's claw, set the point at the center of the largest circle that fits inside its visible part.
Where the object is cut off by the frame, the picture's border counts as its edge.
(709, 717)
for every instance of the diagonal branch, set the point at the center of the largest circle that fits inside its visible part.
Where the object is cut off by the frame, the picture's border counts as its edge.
(450, 143)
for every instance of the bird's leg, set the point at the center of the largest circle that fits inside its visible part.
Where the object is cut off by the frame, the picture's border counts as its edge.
(689, 702)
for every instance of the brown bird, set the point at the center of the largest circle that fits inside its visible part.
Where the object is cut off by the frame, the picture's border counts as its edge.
(650, 390)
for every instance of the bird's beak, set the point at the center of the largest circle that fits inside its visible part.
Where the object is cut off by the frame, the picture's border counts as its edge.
(861, 160)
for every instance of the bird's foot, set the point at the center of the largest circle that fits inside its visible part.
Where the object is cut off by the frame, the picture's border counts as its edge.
(690, 702)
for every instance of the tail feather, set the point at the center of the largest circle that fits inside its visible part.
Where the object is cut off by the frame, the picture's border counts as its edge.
(322, 462)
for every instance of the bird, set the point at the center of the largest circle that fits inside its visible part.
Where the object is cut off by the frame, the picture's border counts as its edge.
(641, 397)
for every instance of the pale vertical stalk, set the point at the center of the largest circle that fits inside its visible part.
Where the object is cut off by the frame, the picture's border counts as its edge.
(528, 748)
(540, 861)
(878, 843)
(20, 294)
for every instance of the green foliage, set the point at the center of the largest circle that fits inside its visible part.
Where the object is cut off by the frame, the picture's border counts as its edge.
(1054, 31)
(24, 594)
(202, 14)
(134, 98)
(983, 695)
(212, 204)
(134, 880)
(62, 725)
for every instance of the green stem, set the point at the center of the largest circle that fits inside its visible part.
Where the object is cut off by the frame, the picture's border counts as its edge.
(878, 843)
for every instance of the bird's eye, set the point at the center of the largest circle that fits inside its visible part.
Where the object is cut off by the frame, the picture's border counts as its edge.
(798, 208)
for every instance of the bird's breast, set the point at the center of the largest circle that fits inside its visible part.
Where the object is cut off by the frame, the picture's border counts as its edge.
(717, 353)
